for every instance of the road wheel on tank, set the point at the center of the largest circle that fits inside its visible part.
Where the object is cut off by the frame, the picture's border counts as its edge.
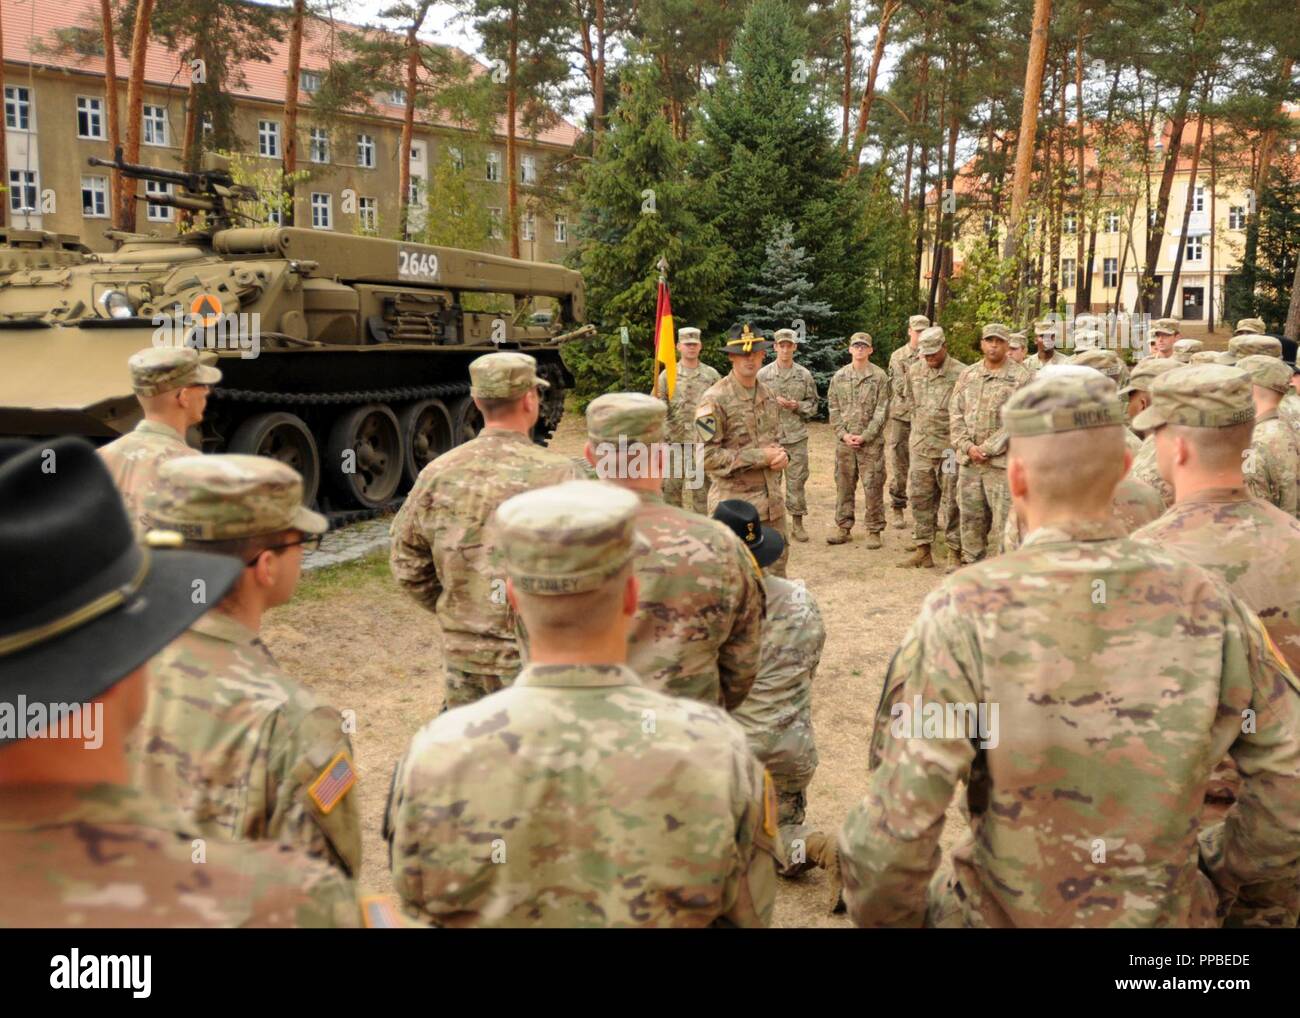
(466, 420)
(284, 437)
(363, 457)
(426, 434)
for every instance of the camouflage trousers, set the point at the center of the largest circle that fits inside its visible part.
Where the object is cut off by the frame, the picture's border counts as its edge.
(790, 755)
(796, 477)
(467, 687)
(931, 489)
(983, 501)
(777, 568)
(896, 442)
(865, 464)
(676, 490)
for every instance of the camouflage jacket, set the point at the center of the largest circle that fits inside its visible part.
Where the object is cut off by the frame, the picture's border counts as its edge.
(109, 856)
(798, 384)
(900, 399)
(1253, 546)
(699, 620)
(1134, 504)
(859, 403)
(1033, 363)
(1144, 469)
(975, 411)
(688, 390)
(135, 459)
(734, 430)
(1094, 648)
(1272, 464)
(579, 797)
(243, 750)
(442, 554)
(930, 392)
(793, 638)
(1289, 411)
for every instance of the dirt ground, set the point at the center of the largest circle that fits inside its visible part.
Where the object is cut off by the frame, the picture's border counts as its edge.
(362, 645)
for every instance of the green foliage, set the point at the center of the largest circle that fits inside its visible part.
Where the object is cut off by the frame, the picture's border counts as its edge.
(1279, 227)
(979, 296)
(272, 194)
(455, 202)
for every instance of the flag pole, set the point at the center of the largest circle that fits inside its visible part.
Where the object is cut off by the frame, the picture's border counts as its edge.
(662, 265)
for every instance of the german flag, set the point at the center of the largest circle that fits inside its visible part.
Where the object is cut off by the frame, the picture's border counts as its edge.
(665, 341)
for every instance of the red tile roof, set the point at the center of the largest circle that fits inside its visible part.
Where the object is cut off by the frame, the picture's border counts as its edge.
(29, 24)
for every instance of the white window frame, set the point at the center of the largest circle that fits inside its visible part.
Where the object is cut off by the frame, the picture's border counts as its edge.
(318, 144)
(366, 151)
(1198, 198)
(24, 184)
(1070, 222)
(90, 109)
(268, 139)
(1069, 273)
(1151, 216)
(988, 223)
(528, 226)
(97, 188)
(1236, 217)
(528, 169)
(1195, 249)
(208, 126)
(368, 213)
(322, 211)
(154, 125)
(457, 157)
(275, 217)
(496, 223)
(397, 97)
(18, 98)
(1109, 273)
(415, 193)
(159, 213)
(561, 228)
(492, 170)
(417, 151)
(1112, 221)
(309, 81)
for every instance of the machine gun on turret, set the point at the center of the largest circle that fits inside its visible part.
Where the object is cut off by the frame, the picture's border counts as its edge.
(211, 190)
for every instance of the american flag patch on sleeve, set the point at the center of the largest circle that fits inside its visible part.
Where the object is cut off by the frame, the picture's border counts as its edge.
(379, 913)
(333, 783)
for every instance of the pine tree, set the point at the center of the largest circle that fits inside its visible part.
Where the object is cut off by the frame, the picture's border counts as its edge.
(637, 206)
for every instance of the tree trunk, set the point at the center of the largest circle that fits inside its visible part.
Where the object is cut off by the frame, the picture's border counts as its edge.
(1214, 211)
(887, 11)
(135, 104)
(1292, 328)
(110, 100)
(408, 129)
(1058, 198)
(1083, 289)
(512, 99)
(949, 214)
(291, 107)
(1080, 165)
(1028, 118)
(846, 98)
(1187, 204)
(1259, 182)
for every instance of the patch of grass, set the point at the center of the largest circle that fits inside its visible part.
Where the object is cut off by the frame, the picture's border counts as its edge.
(322, 583)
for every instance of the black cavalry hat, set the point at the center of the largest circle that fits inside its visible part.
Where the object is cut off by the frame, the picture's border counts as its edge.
(742, 339)
(1289, 352)
(82, 604)
(764, 543)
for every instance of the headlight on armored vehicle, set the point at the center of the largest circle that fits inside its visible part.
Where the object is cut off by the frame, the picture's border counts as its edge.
(116, 304)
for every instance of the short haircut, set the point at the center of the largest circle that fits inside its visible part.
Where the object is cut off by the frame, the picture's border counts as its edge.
(578, 615)
(1217, 449)
(242, 548)
(1080, 467)
(498, 406)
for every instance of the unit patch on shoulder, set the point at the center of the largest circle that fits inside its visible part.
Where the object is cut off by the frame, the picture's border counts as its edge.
(706, 422)
(333, 783)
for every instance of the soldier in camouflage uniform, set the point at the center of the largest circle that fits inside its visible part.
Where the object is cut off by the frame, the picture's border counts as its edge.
(1093, 648)
(441, 555)
(1250, 344)
(1273, 461)
(80, 846)
(1016, 349)
(699, 620)
(693, 380)
(1183, 350)
(579, 796)
(975, 425)
(1045, 337)
(1165, 332)
(234, 743)
(171, 385)
(933, 477)
(737, 422)
(1250, 327)
(859, 406)
(777, 714)
(1109, 364)
(1289, 408)
(900, 419)
(796, 394)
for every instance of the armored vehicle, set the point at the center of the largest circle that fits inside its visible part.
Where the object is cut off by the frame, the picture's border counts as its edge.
(344, 356)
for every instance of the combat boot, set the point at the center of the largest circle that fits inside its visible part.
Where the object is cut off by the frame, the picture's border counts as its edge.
(843, 537)
(896, 519)
(872, 541)
(797, 531)
(823, 850)
(919, 559)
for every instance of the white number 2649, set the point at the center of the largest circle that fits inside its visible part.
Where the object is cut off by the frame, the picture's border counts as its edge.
(416, 264)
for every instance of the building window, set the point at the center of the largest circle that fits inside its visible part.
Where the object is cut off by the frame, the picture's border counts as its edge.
(158, 213)
(1112, 222)
(275, 217)
(368, 214)
(494, 166)
(413, 195)
(320, 145)
(417, 152)
(22, 190)
(1067, 272)
(1194, 249)
(1236, 217)
(397, 97)
(1198, 198)
(561, 228)
(208, 125)
(528, 227)
(322, 210)
(1070, 223)
(309, 81)
(528, 170)
(18, 108)
(94, 197)
(366, 151)
(1110, 273)
(1033, 222)
(268, 138)
(988, 223)
(1151, 217)
(90, 117)
(494, 223)
(457, 158)
(155, 125)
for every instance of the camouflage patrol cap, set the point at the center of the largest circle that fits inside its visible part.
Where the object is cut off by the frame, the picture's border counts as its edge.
(1105, 361)
(688, 334)
(225, 497)
(1044, 326)
(1165, 326)
(1267, 372)
(504, 375)
(1199, 396)
(634, 415)
(918, 322)
(1147, 369)
(931, 341)
(1068, 398)
(786, 336)
(995, 330)
(1184, 348)
(1018, 341)
(1249, 344)
(160, 369)
(1253, 326)
(1089, 339)
(858, 338)
(1212, 357)
(567, 538)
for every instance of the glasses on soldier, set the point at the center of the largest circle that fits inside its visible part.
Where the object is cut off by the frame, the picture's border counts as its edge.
(308, 542)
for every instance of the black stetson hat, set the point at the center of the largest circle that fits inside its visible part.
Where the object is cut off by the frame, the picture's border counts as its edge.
(82, 604)
(764, 543)
(742, 338)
